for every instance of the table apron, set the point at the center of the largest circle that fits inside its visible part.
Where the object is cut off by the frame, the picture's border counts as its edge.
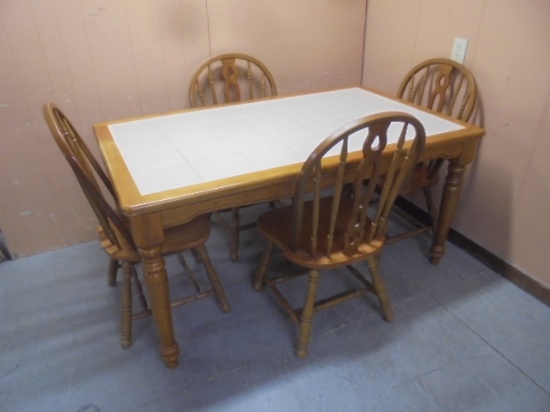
(463, 152)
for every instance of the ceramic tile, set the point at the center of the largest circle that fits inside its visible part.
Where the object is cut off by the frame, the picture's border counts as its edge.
(166, 177)
(264, 132)
(215, 167)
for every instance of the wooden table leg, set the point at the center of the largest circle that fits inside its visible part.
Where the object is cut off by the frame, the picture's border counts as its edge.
(449, 202)
(148, 234)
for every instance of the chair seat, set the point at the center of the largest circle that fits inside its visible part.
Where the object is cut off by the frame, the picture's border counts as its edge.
(341, 227)
(227, 78)
(115, 235)
(444, 86)
(186, 236)
(276, 225)
(421, 178)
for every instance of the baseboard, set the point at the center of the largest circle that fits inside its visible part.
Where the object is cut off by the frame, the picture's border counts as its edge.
(507, 271)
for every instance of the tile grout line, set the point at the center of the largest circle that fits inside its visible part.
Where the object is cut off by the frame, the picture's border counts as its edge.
(491, 346)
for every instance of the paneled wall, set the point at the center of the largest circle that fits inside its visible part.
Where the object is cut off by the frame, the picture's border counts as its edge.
(108, 59)
(506, 198)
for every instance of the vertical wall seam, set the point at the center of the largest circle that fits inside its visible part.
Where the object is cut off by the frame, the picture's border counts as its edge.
(93, 62)
(16, 200)
(134, 60)
(364, 54)
(208, 29)
(164, 63)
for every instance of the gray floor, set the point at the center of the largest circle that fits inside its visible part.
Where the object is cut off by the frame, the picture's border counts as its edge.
(463, 339)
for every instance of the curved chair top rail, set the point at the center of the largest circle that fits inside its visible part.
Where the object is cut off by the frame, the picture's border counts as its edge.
(348, 223)
(442, 85)
(230, 77)
(86, 168)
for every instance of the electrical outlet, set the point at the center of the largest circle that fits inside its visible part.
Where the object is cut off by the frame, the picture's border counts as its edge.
(459, 49)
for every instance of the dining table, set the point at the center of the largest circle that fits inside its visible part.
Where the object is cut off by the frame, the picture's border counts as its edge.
(170, 167)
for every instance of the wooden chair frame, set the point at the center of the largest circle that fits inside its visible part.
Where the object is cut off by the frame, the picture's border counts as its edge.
(4, 252)
(241, 77)
(115, 236)
(325, 232)
(227, 78)
(447, 87)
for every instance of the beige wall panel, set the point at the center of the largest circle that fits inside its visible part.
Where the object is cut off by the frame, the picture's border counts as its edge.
(441, 21)
(97, 60)
(185, 42)
(166, 38)
(307, 45)
(82, 101)
(22, 149)
(533, 228)
(108, 59)
(108, 33)
(79, 100)
(402, 34)
(146, 46)
(509, 57)
(390, 38)
(512, 75)
(27, 148)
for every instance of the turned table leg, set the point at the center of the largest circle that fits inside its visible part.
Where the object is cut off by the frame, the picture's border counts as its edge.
(149, 234)
(449, 202)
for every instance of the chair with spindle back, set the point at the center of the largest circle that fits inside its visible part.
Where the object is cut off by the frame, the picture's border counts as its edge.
(319, 232)
(228, 78)
(114, 234)
(447, 87)
(4, 253)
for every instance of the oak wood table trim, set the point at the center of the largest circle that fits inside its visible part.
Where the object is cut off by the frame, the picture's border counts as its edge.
(150, 214)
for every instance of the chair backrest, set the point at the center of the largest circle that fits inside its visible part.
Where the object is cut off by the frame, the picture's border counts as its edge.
(333, 164)
(87, 169)
(230, 78)
(442, 85)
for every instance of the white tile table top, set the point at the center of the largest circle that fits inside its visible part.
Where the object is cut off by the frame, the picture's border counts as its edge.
(173, 151)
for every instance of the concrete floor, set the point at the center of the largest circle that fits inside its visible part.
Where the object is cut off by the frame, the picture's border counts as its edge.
(463, 339)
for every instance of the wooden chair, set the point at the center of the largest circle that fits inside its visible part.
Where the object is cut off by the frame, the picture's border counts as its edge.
(231, 77)
(336, 231)
(228, 78)
(4, 253)
(447, 87)
(114, 234)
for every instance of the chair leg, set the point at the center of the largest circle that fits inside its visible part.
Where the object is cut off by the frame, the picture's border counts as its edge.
(187, 270)
(126, 320)
(306, 318)
(195, 256)
(113, 269)
(234, 234)
(432, 210)
(139, 291)
(380, 289)
(213, 277)
(262, 269)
